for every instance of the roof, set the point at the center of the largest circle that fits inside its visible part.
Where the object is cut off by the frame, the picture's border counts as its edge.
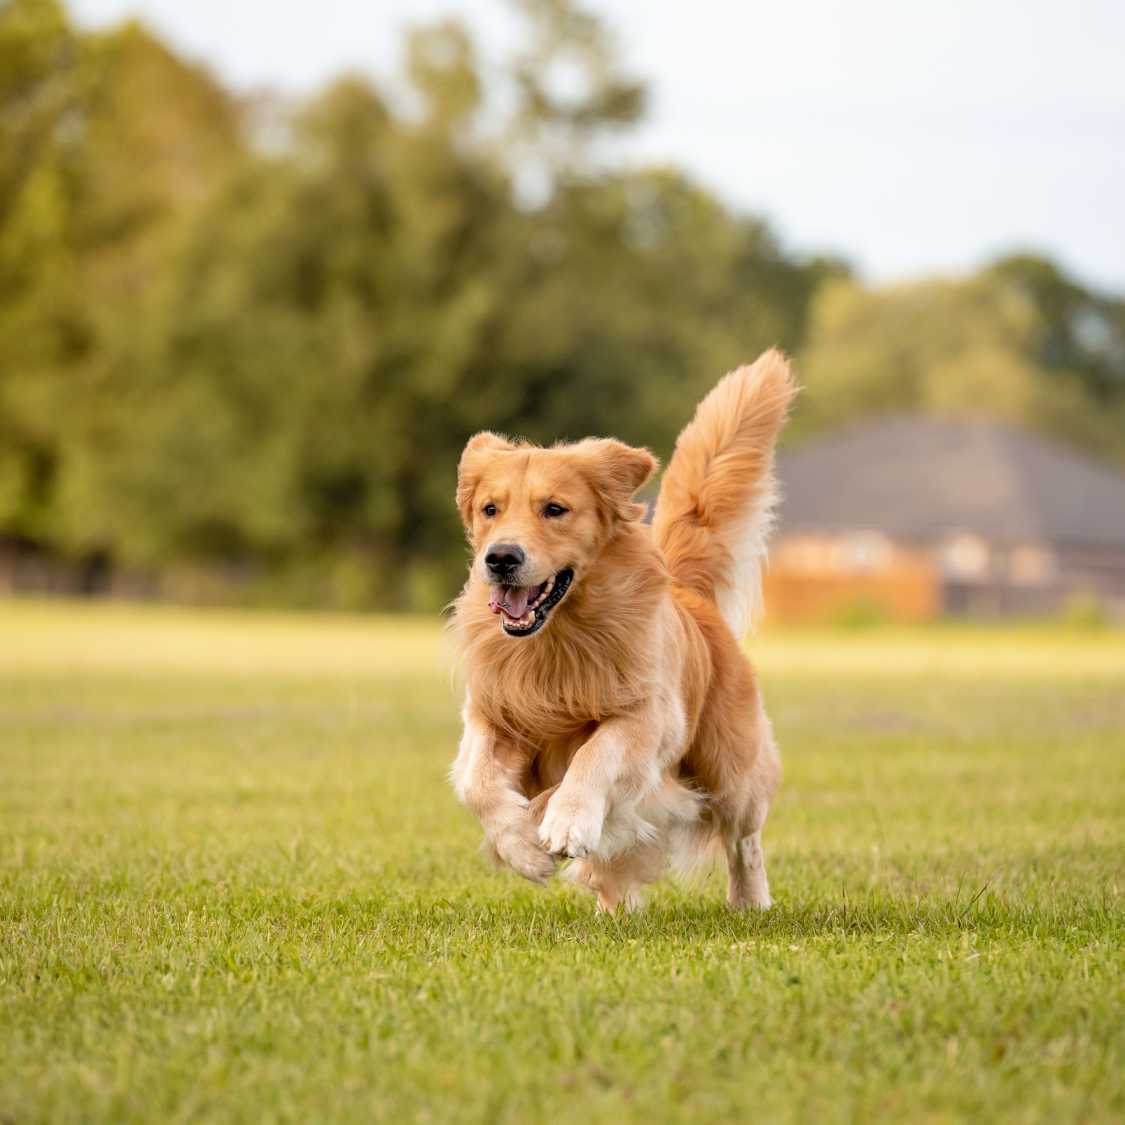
(923, 478)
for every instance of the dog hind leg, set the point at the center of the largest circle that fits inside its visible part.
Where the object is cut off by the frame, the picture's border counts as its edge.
(748, 884)
(617, 883)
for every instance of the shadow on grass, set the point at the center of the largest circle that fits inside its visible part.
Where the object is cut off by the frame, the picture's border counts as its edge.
(674, 916)
(1023, 897)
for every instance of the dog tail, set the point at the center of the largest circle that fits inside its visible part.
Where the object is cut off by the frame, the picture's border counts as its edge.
(717, 499)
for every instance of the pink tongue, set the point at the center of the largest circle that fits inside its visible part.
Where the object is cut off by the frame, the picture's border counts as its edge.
(511, 599)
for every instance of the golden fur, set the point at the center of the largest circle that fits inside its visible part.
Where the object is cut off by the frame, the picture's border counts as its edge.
(628, 730)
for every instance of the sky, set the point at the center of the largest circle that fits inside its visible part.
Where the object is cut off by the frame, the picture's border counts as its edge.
(910, 137)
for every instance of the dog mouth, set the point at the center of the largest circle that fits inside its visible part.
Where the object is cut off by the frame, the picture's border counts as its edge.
(524, 610)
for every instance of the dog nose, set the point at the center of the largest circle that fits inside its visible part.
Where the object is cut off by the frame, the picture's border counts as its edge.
(503, 558)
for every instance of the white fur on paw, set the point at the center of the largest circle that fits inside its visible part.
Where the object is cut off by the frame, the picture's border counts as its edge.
(572, 824)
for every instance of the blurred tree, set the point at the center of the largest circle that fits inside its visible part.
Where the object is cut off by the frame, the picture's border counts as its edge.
(636, 289)
(571, 92)
(949, 347)
(1080, 331)
(250, 345)
(346, 311)
(44, 332)
(317, 329)
(110, 141)
(442, 67)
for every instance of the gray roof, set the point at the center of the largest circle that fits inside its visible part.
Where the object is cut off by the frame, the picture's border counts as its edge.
(922, 478)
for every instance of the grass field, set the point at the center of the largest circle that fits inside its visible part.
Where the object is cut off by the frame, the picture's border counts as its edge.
(234, 886)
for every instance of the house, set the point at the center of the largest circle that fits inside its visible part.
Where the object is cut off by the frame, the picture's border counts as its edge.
(918, 517)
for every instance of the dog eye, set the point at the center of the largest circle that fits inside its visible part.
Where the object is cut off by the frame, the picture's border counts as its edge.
(489, 510)
(553, 511)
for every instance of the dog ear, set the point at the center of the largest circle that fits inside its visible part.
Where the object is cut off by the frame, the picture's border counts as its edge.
(469, 467)
(617, 471)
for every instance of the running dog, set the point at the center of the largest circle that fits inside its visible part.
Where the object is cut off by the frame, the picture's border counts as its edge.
(610, 713)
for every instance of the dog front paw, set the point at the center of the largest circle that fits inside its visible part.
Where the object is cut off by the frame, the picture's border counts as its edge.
(519, 850)
(572, 824)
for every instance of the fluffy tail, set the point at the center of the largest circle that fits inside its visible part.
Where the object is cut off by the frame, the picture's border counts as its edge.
(717, 498)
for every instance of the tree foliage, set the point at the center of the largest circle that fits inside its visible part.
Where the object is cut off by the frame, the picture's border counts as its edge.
(252, 360)
(990, 346)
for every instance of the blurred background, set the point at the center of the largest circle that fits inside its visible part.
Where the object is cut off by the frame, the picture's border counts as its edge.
(264, 268)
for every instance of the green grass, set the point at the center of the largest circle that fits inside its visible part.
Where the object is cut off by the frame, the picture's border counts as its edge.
(234, 886)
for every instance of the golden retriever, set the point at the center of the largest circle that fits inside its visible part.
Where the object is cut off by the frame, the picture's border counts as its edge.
(610, 713)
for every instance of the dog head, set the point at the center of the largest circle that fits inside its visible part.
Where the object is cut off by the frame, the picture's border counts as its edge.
(538, 519)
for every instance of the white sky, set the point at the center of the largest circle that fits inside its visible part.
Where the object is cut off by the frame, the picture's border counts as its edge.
(913, 136)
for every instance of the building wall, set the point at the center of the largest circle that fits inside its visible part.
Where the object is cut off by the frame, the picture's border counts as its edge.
(904, 595)
(821, 577)
(816, 578)
(1013, 587)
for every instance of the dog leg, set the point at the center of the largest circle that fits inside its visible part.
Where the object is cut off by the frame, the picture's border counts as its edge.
(745, 817)
(619, 882)
(485, 777)
(746, 862)
(748, 885)
(619, 763)
(537, 807)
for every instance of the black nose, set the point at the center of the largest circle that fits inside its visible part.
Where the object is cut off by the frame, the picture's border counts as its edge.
(503, 558)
